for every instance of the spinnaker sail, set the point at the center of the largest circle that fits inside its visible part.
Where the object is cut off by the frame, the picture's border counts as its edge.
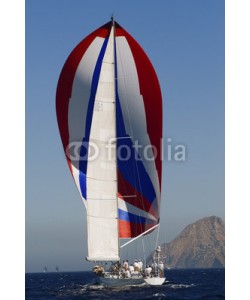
(109, 112)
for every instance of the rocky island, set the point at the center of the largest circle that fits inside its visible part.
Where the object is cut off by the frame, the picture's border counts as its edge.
(199, 245)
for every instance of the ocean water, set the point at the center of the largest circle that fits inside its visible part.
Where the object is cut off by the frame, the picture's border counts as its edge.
(180, 284)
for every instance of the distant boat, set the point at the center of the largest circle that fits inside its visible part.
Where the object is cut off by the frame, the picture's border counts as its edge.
(45, 270)
(109, 100)
(57, 269)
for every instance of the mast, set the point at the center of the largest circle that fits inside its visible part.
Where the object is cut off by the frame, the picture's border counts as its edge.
(115, 88)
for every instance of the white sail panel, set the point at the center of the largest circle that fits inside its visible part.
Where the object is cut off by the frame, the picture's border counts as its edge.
(101, 162)
(79, 101)
(102, 190)
(102, 212)
(102, 246)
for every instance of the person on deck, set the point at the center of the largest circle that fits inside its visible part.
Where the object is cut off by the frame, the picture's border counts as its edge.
(136, 266)
(140, 265)
(125, 264)
(161, 268)
(131, 269)
(154, 266)
(127, 274)
(148, 271)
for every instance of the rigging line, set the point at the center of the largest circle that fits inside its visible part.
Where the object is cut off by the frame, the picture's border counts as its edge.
(157, 237)
(98, 199)
(136, 170)
(131, 175)
(125, 94)
(131, 130)
(122, 68)
(115, 118)
(130, 241)
(144, 253)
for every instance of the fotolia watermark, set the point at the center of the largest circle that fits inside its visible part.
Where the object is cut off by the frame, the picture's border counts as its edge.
(124, 150)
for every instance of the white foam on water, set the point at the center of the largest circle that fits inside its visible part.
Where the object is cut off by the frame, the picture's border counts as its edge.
(159, 295)
(138, 285)
(181, 286)
(95, 287)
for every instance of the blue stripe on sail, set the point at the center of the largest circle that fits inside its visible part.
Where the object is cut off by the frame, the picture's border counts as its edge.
(95, 81)
(82, 179)
(132, 169)
(129, 217)
(85, 141)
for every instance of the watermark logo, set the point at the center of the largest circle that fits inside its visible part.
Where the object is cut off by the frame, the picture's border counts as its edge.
(172, 151)
(126, 150)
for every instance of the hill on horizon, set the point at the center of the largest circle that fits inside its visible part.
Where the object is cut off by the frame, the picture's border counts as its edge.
(200, 245)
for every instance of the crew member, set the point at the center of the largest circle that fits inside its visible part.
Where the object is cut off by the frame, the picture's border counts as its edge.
(125, 264)
(136, 266)
(127, 274)
(148, 271)
(140, 265)
(131, 268)
(161, 268)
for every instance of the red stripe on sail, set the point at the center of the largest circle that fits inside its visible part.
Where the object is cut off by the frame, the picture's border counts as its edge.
(124, 229)
(65, 82)
(131, 230)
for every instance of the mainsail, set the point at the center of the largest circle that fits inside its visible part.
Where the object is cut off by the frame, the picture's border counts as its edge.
(109, 111)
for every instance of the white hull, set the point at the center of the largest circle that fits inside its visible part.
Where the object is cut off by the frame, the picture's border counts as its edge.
(154, 280)
(121, 281)
(114, 280)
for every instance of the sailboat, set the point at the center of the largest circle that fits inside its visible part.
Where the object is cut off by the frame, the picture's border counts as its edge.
(109, 113)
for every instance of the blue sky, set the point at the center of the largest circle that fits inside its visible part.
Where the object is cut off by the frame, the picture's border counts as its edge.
(185, 42)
